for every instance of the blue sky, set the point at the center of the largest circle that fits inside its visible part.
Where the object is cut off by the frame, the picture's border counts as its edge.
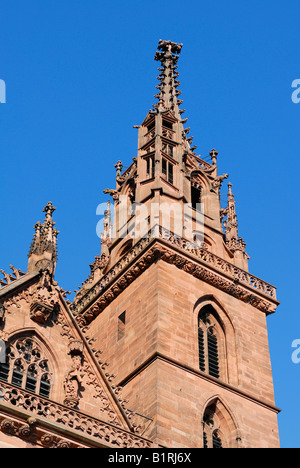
(80, 74)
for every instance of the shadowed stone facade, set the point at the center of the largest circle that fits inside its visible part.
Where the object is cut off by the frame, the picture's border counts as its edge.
(165, 343)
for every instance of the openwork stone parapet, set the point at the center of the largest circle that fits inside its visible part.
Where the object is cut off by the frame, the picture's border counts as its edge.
(63, 420)
(200, 263)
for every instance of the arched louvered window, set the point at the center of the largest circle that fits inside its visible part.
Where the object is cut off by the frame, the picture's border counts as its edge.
(212, 437)
(219, 429)
(213, 354)
(216, 440)
(202, 353)
(26, 367)
(209, 338)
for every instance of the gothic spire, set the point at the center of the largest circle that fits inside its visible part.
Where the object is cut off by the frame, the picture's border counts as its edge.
(233, 241)
(43, 250)
(168, 94)
(232, 223)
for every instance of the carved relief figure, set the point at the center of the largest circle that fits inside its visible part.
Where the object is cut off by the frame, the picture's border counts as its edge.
(74, 378)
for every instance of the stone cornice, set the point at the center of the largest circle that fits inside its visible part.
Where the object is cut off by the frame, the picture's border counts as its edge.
(20, 282)
(168, 360)
(200, 263)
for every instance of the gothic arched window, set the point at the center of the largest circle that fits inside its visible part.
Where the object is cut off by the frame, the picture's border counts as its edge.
(196, 192)
(219, 429)
(212, 437)
(210, 339)
(26, 367)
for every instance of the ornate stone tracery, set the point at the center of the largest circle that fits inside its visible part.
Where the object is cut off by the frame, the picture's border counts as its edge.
(26, 366)
(93, 428)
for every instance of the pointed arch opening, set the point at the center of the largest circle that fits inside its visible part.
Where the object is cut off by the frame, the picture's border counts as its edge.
(219, 427)
(215, 340)
(200, 188)
(196, 192)
(27, 366)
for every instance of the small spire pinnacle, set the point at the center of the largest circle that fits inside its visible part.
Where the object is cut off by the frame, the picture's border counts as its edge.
(214, 155)
(232, 223)
(106, 235)
(233, 241)
(43, 250)
(168, 55)
(119, 168)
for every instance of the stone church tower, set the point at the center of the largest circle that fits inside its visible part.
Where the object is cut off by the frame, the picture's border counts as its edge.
(169, 308)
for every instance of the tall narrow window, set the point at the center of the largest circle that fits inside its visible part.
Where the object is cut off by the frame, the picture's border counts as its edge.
(31, 380)
(212, 353)
(18, 373)
(205, 441)
(164, 167)
(4, 371)
(150, 168)
(209, 336)
(171, 174)
(196, 196)
(121, 325)
(168, 171)
(45, 386)
(201, 349)
(26, 367)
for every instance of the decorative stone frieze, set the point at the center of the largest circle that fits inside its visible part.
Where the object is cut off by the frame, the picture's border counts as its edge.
(198, 262)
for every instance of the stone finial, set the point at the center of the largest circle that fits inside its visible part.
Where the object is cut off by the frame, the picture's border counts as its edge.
(214, 155)
(168, 50)
(49, 210)
(231, 224)
(119, 168)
